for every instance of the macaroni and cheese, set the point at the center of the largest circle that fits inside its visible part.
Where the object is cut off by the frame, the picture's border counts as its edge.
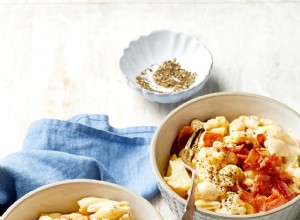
(93, 208)
(249, 165)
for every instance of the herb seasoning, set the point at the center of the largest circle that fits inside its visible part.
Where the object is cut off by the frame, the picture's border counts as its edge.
(168, 78)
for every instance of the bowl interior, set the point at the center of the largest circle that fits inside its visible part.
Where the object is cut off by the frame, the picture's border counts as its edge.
(62, 197)
(230, 105)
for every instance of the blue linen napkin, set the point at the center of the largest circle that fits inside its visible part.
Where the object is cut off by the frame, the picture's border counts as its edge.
(85, 146)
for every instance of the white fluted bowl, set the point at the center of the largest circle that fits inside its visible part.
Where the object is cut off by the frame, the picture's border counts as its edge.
(231, 105)
(63, 196)
(159, 46)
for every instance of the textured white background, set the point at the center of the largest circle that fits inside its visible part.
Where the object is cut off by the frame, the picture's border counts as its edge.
(60, 58)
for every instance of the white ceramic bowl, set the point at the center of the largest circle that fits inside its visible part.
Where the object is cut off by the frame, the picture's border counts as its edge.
(63, 196)
(230, 105)
(158, 47)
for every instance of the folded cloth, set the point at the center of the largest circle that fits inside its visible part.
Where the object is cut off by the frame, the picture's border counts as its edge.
(85, 146)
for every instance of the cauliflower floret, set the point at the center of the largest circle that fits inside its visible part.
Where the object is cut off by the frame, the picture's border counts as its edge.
(265, 122)
(217, 125)
(215, 156)
(232, 158)
(273, 131)
(244, 123)
(177, 176)
(209, 173)
(210, 156)
(232, 204)
(237, 125)
(250, 176)
(295, 174)
(252, 122)
(208, 191)
(277, 146)
(224, 157)
(240, 137)
(230, 174)
(281, 143)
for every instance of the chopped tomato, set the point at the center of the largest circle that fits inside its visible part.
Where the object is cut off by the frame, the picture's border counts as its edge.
(263, 184)
(283, 189)
(270, 188)
(242, 156)
(273, 166)
(262, 203)
(244, 151)
(261, 138)
(246, 196)
(210, 137)
(184, 136)
(274, 201)
(239, 149)
(252, 161)
(248, 146)
(259, 203)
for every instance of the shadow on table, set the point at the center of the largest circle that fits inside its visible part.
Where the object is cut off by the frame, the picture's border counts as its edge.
(211, 86)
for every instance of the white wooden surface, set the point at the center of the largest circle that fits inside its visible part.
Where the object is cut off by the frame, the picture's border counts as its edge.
(59, 58)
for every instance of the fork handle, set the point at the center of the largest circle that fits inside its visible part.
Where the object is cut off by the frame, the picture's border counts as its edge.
(190, 205)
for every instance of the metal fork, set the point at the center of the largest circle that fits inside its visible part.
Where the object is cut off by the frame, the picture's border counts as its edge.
(186, 158)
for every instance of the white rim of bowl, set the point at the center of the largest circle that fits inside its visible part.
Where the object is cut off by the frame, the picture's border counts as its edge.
(66, 182)
(146, 91)
(176, 196)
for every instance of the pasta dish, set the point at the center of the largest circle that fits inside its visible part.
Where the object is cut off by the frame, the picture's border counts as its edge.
(249, 165)
(93, 208)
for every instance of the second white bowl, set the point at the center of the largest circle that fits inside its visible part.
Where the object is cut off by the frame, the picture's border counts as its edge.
(63, 196)
(159, 46)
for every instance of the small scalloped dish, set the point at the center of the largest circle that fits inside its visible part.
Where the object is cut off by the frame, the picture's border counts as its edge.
(158, 47)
